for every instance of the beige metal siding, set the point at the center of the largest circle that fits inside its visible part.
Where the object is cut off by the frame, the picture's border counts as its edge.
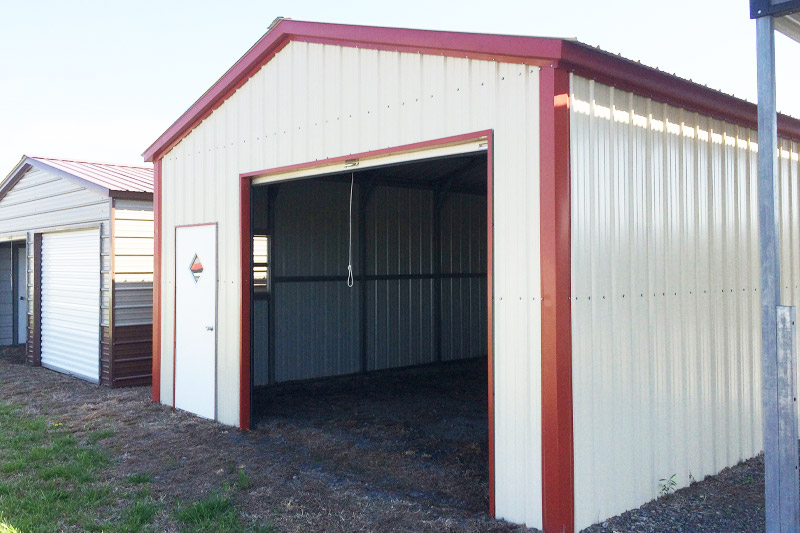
(665, 295)
(133, 262)
(314, 101)
(41, 201)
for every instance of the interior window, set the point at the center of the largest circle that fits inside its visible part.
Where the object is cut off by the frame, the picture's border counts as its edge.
(261, 262)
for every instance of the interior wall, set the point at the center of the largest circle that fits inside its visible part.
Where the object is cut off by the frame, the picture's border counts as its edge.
(318, 318)
(7, 319)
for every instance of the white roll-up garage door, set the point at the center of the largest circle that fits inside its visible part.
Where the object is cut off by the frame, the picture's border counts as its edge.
(71, 303)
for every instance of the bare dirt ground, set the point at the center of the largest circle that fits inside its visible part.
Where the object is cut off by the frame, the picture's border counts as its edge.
(411, 456)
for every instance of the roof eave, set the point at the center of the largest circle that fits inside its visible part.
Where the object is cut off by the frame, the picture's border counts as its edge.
(667, 88)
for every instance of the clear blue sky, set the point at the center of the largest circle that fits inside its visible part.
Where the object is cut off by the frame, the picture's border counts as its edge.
(102, 80)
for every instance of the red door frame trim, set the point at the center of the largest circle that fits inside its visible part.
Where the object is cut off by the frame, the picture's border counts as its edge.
(558, 493)
(156, 379)
(175, 308)
(245, 180)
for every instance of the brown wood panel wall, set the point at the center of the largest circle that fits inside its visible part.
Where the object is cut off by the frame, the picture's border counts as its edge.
(132, 353)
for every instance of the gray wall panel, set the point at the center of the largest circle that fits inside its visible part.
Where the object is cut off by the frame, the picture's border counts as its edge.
(260, 341)
(317, 322)
(464, 318)
(6, 306)
(400, 314)
(316, 330)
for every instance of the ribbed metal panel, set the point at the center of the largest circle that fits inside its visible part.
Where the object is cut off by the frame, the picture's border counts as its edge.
(112, 177)
(41, 200)
(7, 320)
(665, 295)
(464, 318)
(316, 322)
(313, 101)
(260, 342)
(133, 263)
(400, 313)
(70, 296)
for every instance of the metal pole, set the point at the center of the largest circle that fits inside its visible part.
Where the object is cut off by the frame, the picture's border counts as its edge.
(776, 449)
(787, 414)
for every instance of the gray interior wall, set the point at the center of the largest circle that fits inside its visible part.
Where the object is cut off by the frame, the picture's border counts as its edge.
(317, 319)
(400, 313)
(464, 251)
(316, 322)
(7, 319)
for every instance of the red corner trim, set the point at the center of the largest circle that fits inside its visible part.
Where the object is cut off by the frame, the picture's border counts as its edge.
(157, 281)
(490, 306)
(558, 500)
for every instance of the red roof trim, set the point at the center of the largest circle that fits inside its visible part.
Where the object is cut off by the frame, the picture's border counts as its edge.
(570, 55)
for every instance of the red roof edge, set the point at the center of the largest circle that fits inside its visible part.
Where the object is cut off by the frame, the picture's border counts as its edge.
(668, 88)
(572, 55)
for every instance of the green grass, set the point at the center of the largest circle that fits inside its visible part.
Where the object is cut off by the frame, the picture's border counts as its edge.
(215, 513)
(243, 481)
(47, 478)
(97, 436)
(50, 480)
(138, 479)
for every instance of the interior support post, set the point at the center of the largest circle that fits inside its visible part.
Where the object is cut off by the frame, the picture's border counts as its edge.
(364, 194)
(272, 193)
(438, 201)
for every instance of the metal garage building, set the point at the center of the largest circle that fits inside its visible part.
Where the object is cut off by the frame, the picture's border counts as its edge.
(589, 223)
(77, 268)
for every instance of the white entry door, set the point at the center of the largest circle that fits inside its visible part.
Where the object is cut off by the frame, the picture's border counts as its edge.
(71, 303)
(22, 295)
(196, 319)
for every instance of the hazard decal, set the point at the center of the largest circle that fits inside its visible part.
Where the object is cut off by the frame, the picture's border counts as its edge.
(196, 268)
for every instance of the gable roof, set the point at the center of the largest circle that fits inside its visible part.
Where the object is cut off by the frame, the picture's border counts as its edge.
(540, 51)
(118, 181)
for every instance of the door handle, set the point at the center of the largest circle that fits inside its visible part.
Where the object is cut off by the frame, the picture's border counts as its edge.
(209, 328)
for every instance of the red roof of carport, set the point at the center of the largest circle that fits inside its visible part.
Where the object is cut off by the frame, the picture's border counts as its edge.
(124, 178)
(571, 55)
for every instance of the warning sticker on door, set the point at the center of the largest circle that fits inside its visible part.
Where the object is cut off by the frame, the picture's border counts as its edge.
(196, 268)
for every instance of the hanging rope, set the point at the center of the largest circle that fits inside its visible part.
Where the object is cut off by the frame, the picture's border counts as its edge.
(350, 239)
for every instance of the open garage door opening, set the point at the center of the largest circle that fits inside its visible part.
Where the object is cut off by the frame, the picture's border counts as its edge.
(369, 321)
